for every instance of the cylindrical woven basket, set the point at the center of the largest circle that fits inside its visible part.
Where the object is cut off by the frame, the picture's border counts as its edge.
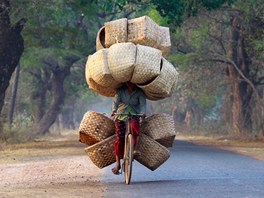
(102, 153)
(165, 40)
(153, 154)
(121, 61)
(115, 32)
(161, 86)
(147, 66)
(100, 39)
(99, 71)
(95, 127)
(161, 128)
(143, 30)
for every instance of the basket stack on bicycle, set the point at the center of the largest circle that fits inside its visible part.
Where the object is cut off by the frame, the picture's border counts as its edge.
(132, 50)
(98, 132)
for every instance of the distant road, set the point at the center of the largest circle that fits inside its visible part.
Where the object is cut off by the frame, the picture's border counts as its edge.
(192, 171)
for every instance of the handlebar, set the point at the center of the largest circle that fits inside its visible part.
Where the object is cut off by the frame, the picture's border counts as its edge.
(130, 114)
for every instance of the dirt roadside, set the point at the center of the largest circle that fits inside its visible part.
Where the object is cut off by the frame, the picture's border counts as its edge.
(47, 168)
(58, 166)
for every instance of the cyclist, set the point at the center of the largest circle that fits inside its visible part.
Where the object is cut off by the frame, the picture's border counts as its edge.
(128, 99)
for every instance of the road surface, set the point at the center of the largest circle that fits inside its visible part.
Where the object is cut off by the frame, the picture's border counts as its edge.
(192, 171)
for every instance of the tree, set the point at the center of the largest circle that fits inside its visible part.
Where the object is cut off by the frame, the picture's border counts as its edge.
(242, 26)
(11, 47)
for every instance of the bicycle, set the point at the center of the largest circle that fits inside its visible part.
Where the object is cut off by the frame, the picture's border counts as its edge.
(129, 148)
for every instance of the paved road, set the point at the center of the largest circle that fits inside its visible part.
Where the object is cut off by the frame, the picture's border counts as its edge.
(192, 171)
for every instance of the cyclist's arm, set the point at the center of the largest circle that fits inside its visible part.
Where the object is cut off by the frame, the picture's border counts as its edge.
(142, 103)
(116, 101)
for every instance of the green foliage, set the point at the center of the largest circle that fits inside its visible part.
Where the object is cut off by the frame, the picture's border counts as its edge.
(176, 10)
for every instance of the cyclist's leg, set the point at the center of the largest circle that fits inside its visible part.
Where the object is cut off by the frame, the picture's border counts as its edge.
(135, 128)
(120, 128)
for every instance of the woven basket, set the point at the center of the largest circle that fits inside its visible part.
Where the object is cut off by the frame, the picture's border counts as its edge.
(165, 40)
(121, 61)
(161, 128)
(143, 30)
(161, 86)
(153, 154)
(104, 91)
(115, 32)
(95, 127)
(99, 71)
(147, 66)
(100, 39)
(102, 153)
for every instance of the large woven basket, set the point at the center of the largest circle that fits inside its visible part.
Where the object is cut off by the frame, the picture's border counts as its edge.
(153, 154)
(161, 128)
(99, 71)
(161, 86)
(121, 61)
(100, 39)
(115, 32)
(147, 66)
(95, 127)
(102, 153)
(143, 30)
(104, 91)
(165, 40)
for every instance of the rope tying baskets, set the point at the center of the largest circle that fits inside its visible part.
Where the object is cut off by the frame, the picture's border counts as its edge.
(153, 154)
(102, 153)
(161, 86)
(95, 127)
(121, 61)
(98, 69)
(161, 128)
(147, 65)
(115, 32)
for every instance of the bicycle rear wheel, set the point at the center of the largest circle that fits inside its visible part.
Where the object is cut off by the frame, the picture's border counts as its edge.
(128, 158)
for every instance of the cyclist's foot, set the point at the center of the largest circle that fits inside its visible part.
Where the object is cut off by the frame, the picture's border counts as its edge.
(115, 170)
(136, 153)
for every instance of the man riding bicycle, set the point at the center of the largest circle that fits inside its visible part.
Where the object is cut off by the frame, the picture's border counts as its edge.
(128, 99)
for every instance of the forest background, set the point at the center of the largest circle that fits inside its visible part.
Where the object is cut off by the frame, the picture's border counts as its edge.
(217, 48)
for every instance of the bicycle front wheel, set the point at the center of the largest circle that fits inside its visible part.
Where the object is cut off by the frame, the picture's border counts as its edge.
(128, 158)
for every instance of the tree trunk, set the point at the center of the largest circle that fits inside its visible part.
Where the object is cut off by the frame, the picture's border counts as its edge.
(59, 75)
(11, 48)
(13, 97)
(241, 91)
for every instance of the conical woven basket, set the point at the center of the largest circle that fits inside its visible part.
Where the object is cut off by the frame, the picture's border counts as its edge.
(121, 61)
(95, 127)
(115, 32)
(99, 71)
(165, 44)
(161, 86)
(102, 153)
(100, 39)
(147, 66)
(161, 128)
(143, 30)
(153, 154)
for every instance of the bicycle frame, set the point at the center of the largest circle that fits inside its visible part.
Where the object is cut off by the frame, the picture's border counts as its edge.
(128, 150)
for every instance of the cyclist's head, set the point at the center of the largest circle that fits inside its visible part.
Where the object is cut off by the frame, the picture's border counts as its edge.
(130, 85)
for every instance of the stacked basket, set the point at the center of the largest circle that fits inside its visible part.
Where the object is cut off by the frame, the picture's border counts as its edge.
(130, 50)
